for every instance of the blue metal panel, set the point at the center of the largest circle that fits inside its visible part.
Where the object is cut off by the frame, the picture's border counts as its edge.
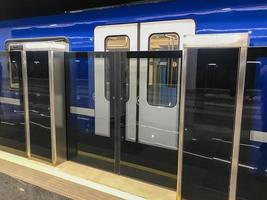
(259, 123)
(210, 17)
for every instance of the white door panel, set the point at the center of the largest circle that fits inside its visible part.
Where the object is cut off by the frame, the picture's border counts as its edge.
(102, 113)
(102, 106)
(158, 125)
(131, 103)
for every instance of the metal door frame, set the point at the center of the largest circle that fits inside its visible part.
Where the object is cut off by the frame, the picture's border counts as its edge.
(231, 40)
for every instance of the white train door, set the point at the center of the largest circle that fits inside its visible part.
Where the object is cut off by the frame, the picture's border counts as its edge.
(159, 82)
(158, 96)
(121, 37)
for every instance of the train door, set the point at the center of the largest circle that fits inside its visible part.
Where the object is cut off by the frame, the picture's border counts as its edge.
(114, 38)
(149, 149)
(159, 82)
(211, 103)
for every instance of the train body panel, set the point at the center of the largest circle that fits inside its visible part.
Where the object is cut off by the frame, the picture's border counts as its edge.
(78, 27)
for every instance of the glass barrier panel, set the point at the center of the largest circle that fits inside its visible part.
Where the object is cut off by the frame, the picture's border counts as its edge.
(12, 130)
(90, 117)
(122, 133)
(252, 170)
(39, 103)
(210, 99)
(150, 131)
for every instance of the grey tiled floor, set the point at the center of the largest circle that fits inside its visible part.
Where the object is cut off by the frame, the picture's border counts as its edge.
(13, 189)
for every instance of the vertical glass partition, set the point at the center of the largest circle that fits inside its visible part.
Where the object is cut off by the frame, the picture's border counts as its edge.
(86, 144)
(150, 153)
(104, 131)
(209, 118)
(39, 103)
(12, 132)
(252, 169)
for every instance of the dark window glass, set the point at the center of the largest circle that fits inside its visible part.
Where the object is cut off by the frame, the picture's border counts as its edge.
(209, 120)
(14, 72)
(252, 170)
(84, 144)
(12, 130)
(39, 104)
(151, 162)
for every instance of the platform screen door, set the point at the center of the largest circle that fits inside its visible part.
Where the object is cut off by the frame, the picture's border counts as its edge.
(212, 86)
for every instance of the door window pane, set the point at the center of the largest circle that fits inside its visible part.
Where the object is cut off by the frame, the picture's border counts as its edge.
(117, 43)
(14, 73)
(208, 122)
(163, 72)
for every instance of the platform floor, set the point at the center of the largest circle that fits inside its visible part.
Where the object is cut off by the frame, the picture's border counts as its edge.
(15, 189)
(76, 181)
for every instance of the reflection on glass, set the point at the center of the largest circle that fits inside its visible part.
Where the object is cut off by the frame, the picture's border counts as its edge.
(252, 171)
(162, 72)
(39, 103)
(87, 145)
(84, 144)
(152, 162)
(209, 120)
(12, 134)
(157, 162)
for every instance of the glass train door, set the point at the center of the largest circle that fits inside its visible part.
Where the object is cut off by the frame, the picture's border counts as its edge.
(149, 121)
(111, 38)
(151, 154)
(212, 87)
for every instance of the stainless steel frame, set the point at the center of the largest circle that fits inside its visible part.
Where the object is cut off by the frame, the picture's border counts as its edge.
(233, 40)
(52, 105)
(26, 103)
(57, 107)
(181, 126)
(238, 121)
(46, 43)
(57, 93)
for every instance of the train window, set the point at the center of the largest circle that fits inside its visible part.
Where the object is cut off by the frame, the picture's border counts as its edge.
(14, 71)
(117, 43)
(163, 72)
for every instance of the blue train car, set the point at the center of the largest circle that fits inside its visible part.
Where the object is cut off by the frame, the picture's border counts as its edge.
(218, 153)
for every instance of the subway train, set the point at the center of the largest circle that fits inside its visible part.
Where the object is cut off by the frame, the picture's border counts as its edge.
(169, 92)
